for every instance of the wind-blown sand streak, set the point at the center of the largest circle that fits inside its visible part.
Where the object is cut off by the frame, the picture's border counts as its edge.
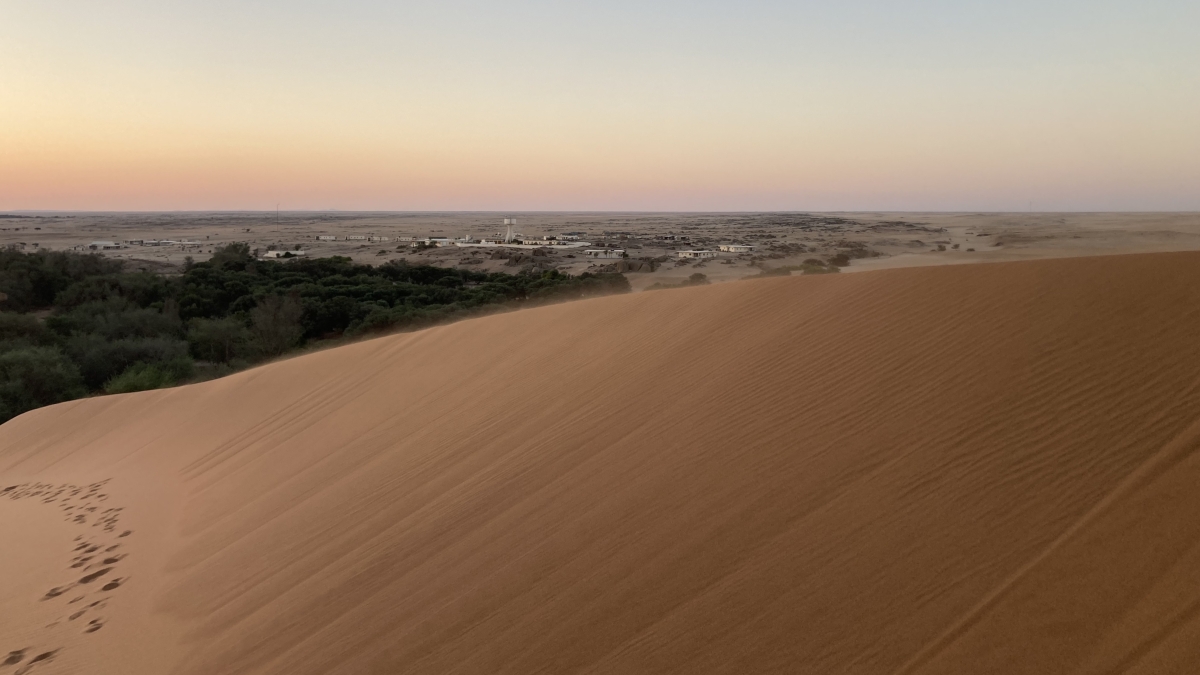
(931, 470)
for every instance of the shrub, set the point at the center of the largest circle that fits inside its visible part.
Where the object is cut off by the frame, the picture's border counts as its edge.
(34, 377)
(100, 360)
(146, 376)
(218, 340)
(275, 324)
(23, 330)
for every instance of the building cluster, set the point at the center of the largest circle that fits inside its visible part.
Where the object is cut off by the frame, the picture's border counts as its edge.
(106, 245)
(513, 239)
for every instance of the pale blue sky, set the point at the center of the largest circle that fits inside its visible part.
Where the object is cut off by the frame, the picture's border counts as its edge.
(587, 105)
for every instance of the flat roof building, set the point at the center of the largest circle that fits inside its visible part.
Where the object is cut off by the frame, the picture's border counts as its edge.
(697, 254)
(604, 253)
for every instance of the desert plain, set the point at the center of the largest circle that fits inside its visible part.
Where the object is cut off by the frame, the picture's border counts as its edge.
(870, 240)
(926, 469)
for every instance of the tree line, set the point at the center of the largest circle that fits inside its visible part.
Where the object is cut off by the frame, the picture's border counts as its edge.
(73, 324)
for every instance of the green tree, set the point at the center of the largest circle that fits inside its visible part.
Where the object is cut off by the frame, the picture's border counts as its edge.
(233, 256)
(146, 376)
(34, 377)
(218, 340)
(275, 323)
(22, 330)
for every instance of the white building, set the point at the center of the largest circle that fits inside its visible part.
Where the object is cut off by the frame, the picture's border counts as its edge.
(736, 248)
(283, 254)
(697, 254)
(101, 245)
(601, 253)
(326, 237)
(356, 237)
(379, 238)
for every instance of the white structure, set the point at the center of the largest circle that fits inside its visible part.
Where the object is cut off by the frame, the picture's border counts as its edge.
(326, 237)
(697, 254)
(510, 236)
(356, 237)
(283, 254)
(602, 253)
(379, 238)
(101, 245)
(736, 248)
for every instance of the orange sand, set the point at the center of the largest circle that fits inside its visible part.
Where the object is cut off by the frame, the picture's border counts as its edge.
(976, 469)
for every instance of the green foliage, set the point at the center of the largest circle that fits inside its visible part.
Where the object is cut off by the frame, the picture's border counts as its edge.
(100, 359)
(218, 340)
(275, 323)
(114, 331)
(32, 377)
(146, 376)
(231, 257)
(22, 330)
(32, 280)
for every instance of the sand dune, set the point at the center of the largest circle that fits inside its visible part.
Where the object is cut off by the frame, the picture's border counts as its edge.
(977, 469)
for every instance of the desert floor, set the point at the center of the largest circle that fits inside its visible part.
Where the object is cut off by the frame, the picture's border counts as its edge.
(941, 469)
(874, 240)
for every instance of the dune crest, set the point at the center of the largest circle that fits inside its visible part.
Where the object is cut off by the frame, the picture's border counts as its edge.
(985, 468)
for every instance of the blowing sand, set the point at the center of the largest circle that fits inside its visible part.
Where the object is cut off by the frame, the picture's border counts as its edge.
(958, 469)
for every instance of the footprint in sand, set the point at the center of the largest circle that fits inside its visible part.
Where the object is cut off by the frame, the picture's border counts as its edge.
(114, 584)
(44, 657)
(94, 625)
(14, 657)
(95, 575)
(57, 591)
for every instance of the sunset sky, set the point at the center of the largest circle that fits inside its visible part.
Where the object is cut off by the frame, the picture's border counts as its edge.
(614, 105)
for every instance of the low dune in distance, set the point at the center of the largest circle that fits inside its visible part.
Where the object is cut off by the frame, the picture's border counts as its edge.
(974, 469)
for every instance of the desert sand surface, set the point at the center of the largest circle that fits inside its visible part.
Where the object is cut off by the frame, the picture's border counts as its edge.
(946, 469)
(652, 241)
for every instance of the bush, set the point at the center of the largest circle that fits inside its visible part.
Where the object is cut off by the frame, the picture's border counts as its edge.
(275, 324)
(116, 319)
(233, 256)
(218, 340)
(22, 330)
(146, 376)
(34, 377)
(100, 360)
(30, 281)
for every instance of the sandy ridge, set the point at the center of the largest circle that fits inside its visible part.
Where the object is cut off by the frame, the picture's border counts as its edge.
(937, 470)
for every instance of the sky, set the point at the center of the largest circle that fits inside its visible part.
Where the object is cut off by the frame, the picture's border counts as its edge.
(755, 105)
